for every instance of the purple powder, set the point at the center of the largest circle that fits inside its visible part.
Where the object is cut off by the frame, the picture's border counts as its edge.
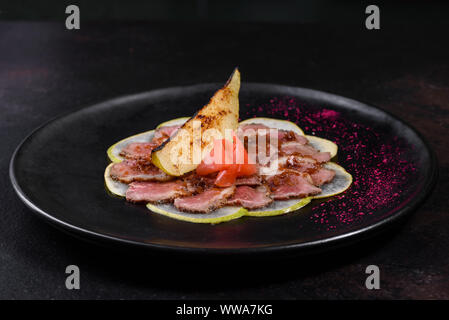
(377, 162)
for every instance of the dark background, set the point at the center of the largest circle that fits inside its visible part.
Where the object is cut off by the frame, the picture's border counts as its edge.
(133, 46)
(280, 11)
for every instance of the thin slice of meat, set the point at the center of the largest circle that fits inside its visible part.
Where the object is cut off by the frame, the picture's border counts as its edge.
(321, 157)
(294, 147)
(163, 133)
(255, 135)
(254, 180)
(138, 151)
(251, 198)
(167, 130)
(128, 171)
(299, 163)
(156, 192)
(198, 184)
(206, 201)
(286, 136)
(322, 176)
(291, 184)
(252, 128)
(261, 130)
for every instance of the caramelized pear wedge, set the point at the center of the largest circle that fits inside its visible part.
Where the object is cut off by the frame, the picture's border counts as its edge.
(176, 155)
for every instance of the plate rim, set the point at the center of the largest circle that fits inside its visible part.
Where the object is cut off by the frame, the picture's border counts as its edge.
(86, 234)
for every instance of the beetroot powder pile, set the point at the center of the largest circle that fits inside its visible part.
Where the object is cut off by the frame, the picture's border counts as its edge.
(378, 162)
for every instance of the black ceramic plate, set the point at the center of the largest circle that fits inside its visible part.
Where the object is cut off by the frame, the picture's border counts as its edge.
(58, 172)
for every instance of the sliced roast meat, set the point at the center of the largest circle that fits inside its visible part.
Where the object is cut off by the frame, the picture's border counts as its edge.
(252, 128)
(321, 157)
(299, 163)
(138, 151)
(291, 184)
(254, 180)
(294, 147)
(322, 176)
(163, 133)
(167, 130)
(251, 135)
(206, 201)
(261, 130)
(128, 171)
(198, 184)
(294, 162)
(156, 192)
(286, 136)
(251, 198)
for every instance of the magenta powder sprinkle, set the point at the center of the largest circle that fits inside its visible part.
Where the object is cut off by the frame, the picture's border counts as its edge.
(378, 162)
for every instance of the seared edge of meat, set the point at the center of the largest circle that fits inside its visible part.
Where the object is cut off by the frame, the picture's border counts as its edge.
(251, 198)
(206, 201)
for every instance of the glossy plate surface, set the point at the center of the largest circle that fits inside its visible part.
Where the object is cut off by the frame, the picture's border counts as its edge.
(58, 172)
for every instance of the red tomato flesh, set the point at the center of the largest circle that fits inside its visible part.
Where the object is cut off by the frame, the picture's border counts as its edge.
(230, 161)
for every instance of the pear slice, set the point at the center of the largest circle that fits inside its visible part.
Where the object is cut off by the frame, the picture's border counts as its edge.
(278, 207)
(176, 155)
(341, 182)
(323, 145)
(217, 216)
(117, 188)
(174, 122)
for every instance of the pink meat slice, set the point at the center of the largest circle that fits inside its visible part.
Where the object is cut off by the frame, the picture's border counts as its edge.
(253, 180)
(283, 135)
(163, 133)
(245, 129)
(138, 151)
(298, 163)
(128, 171)
(286, 136)
(156, 192)
(291, 184)
(321, 157)
(294, 147)
(206, 201)
(322, 176)
(251, 198)
(198, 184)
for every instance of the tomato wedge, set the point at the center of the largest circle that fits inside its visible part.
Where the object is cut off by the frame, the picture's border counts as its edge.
(230, 161)
(226, 178)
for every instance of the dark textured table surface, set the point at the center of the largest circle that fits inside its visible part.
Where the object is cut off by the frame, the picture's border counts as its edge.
(46, 70)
